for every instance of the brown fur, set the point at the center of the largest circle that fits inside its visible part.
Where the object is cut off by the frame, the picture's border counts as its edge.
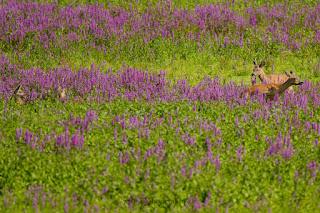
(62, 95)
(270, 78)
(62, 92)
(273, 89)
(18, 95)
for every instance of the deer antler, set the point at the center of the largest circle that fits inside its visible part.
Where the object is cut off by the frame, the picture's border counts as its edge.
(254, 61)
(262, 64)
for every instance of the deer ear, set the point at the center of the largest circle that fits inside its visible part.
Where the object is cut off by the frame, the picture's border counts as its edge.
(254, 62)
(287, 74)
(262, 64)
(17, 89)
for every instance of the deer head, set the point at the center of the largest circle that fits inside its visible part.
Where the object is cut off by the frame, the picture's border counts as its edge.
(293, 78)
(18, 95)
(257, 70)
(18, 92)
(62, 92)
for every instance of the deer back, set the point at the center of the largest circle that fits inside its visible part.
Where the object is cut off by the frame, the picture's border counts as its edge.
(278, 79)
(263, 88)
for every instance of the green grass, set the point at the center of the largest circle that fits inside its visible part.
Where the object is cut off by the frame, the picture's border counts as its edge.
(175, 3)
(83, 173)
(180, 62)
(53, 168)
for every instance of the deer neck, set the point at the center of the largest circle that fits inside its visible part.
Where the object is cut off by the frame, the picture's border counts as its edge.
(19, 100)
(264, 77)
(284, 86)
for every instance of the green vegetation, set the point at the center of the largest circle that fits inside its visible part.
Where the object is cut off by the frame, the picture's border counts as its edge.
(146, 125)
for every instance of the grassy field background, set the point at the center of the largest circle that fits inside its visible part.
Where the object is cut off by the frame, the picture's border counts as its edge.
(155, 129)
(187, 59)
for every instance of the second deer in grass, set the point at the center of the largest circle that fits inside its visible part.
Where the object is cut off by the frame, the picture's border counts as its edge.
(270, 78)
(62, 95)
(18, 95)
(273, 89)
(62, 92)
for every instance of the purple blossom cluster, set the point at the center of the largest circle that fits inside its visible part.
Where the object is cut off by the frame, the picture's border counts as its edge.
(39, 199)
(135, 85)
(205, 144)
(64, 141)
(108, 28)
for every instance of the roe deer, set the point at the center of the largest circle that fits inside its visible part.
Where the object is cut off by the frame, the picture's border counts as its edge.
(270, 78)
(272, 89)
(18, 95)
(62, 95)
(62, 92)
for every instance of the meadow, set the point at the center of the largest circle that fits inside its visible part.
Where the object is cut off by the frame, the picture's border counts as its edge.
(155, 117)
